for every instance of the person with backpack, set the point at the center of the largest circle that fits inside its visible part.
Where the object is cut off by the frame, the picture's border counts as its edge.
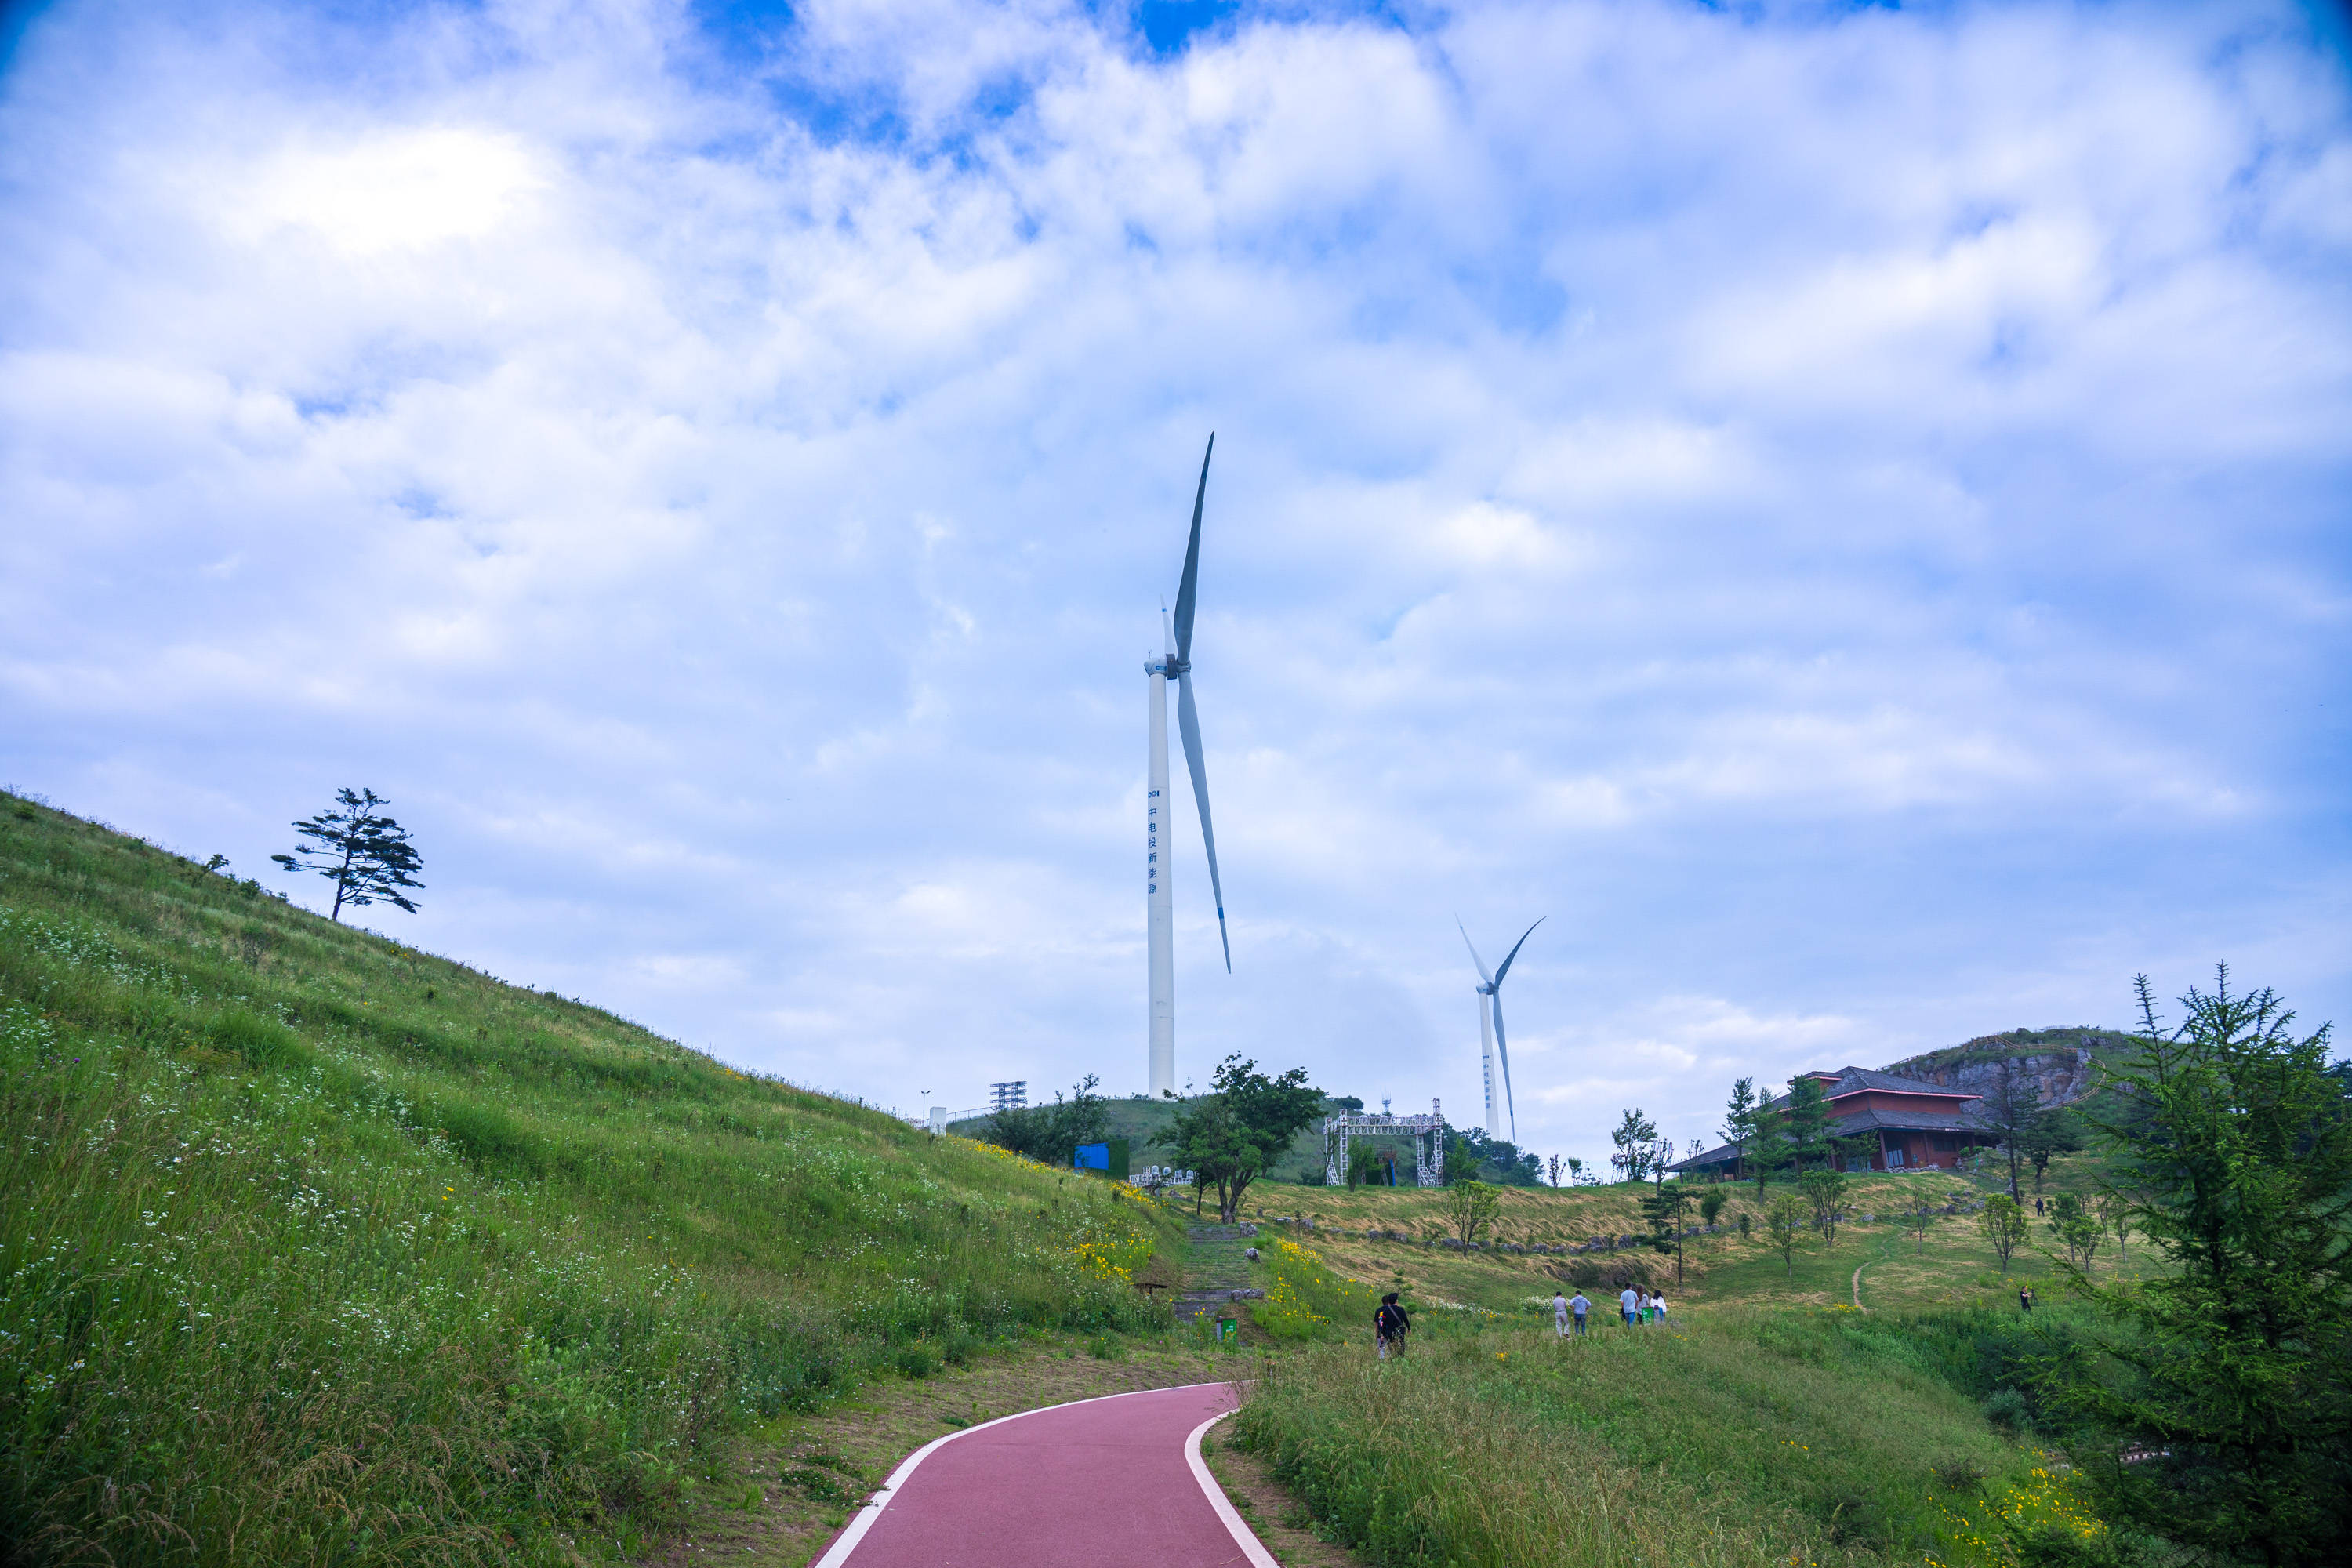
(1579, 1306)
(1390, 1326)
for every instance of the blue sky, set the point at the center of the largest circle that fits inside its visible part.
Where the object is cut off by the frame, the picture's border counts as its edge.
(1843, 510)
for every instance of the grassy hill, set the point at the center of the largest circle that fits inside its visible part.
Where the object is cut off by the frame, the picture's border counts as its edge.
(320, 1249)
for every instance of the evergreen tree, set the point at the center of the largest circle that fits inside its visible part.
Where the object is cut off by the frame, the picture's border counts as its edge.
(2010, 1108)
(1667, 1207)
(366, 855)
(1742, 1121)
(2223, 1388)
(1804, 1122)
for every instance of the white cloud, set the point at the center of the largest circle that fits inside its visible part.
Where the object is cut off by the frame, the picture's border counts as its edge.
(1843, 512)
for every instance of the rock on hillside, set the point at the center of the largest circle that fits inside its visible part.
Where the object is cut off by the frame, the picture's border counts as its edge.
(2059, 1061)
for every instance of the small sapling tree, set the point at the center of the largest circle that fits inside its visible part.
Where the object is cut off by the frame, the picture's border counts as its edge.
(2115, 1210)
(2003, 1223)
(1825, 1191)
(2077, 1228)
(1784, 1226)
(367, 855)
(1666, 1206)
(1470, 1207)
(1920, 1219)
(1711, 1206)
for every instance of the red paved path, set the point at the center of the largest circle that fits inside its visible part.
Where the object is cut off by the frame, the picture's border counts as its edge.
(1103, 1483)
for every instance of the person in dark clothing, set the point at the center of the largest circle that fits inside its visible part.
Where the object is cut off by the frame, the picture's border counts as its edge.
(1389, 1325)
(2025, 1297)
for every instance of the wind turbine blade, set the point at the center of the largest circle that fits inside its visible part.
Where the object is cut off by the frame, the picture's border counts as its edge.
(1474, 958)
(1515, 949)
(1503, 1052)
(1187, 720)
(1184, 590)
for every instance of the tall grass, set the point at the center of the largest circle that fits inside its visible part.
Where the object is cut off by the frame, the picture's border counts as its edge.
(1494, 1445)
(1306, 1300)
(319, 1250)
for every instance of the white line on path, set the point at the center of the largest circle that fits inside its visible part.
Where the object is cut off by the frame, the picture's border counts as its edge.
(1243, 1537)
(847, 1542)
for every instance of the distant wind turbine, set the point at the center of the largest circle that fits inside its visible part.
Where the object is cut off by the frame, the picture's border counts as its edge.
(1490, 1032)
(1177, 667)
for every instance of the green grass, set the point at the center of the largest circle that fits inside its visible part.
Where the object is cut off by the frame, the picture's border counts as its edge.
(322, 1249)
(1769, 1438)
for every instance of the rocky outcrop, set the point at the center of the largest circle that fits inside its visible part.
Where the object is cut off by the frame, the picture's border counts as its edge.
(2062, 1064)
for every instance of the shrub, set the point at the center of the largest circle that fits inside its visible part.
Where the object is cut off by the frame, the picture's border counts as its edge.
(2006, 1409)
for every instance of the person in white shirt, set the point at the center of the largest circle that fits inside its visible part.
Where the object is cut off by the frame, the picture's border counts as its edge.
(1580, 1306)
(1659, 1301)
(1629, 1302)
(1560, 1313)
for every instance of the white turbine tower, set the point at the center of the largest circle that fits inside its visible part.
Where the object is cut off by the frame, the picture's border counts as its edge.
(1177, 665)
(1490, 1033)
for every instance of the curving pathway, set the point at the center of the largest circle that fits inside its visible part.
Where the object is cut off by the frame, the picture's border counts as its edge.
(1101, 1483)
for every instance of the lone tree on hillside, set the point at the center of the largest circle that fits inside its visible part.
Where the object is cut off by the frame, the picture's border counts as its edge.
(2223, 1389)
(366, 855)
(1233, 1134)
(1470, 1208)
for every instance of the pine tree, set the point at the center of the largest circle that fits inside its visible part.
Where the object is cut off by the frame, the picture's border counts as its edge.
(1742, 1120)
(1666, 1206)
(2223, 1386)
(367, 857)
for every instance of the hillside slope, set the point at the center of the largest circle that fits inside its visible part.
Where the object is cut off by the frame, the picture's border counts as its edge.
(318, 1248)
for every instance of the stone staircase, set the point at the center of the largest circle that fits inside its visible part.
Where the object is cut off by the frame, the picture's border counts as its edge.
(1216, 1272)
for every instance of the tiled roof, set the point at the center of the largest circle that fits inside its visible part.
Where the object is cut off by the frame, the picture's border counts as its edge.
(1853, 1080)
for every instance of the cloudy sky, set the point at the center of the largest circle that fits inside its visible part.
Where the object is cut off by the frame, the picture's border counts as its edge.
(1845, 511)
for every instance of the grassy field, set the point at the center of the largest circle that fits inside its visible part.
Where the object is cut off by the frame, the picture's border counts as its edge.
(1751, 1440)
(322, 1249)
(1720, 1268)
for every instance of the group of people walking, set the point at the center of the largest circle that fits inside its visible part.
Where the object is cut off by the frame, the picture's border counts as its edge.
(1569, 1313)
(1636, 1307)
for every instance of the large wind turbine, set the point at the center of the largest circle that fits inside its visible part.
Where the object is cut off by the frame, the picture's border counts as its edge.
(1177, 667)
(1490, 1032)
